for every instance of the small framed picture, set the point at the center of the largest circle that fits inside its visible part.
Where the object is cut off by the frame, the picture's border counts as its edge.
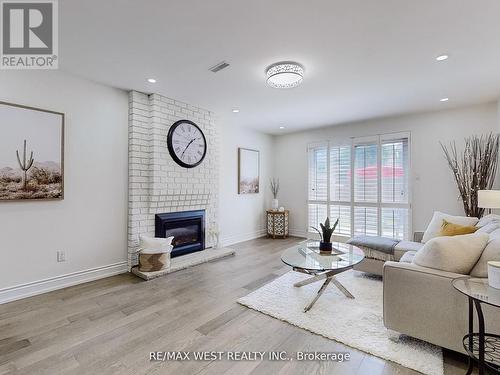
(248, 171)
(31, 153)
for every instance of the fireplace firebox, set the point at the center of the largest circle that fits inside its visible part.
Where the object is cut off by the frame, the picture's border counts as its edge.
(187, 228)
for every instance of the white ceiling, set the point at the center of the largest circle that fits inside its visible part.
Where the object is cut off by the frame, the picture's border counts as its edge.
(363, 58)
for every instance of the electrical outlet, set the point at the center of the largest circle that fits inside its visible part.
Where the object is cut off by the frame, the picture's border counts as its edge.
(61, 256)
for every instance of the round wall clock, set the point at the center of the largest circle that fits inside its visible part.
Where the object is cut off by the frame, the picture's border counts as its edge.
(186, 143)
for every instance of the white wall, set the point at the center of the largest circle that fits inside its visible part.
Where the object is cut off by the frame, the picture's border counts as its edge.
(90, 224)
(498, 118)
(432, 182)
(242, 217)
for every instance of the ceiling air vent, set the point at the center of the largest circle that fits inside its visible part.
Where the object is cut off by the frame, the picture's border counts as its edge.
(219, 66)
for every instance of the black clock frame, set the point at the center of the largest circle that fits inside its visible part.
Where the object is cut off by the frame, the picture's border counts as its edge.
(170, 145)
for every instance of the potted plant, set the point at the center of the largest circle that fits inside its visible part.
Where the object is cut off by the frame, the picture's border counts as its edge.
(275, 188)
(325, 245)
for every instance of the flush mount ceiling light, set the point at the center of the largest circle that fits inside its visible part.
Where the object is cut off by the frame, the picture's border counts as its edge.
(151, 80)
(284, 75)
(444, 99)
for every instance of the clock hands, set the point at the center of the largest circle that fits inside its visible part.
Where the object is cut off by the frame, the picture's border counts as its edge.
(189, 144)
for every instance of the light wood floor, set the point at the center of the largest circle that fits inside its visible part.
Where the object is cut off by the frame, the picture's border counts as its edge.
(109, 326)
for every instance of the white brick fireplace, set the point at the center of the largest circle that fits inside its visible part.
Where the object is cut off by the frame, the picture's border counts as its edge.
(156, 183)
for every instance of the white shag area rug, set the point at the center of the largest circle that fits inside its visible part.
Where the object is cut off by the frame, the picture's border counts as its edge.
(357, 322)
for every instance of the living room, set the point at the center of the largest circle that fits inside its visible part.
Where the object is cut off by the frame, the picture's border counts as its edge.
(280, 188)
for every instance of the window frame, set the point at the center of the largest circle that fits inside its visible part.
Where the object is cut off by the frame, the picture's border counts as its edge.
(378, 140)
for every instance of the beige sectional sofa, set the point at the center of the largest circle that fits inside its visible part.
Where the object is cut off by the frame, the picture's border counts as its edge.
(422, 303)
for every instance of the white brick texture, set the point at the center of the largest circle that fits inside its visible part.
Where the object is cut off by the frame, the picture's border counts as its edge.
(156, 183)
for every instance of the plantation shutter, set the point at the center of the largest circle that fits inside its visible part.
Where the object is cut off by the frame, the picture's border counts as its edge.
(364, 184)
(395, 171)
(317, 184)
(340, 188)
(365, 173)
(318, 173)
(366, 188)
(394, 184)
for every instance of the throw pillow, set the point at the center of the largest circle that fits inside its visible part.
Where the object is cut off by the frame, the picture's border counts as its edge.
(437, 219)
(487, 219)
(488, 228)
(491, 252)
(450, 229)
(152, 245)
(456, 254)
(495, 234)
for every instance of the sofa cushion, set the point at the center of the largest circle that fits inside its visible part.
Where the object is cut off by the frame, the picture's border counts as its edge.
(450, 229)
(404, 246)
(434, 226)
(409, 246)
(408, 257)
(491, 252)
(456, 254)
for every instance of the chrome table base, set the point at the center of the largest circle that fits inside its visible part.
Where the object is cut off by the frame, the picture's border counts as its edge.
(318, 276)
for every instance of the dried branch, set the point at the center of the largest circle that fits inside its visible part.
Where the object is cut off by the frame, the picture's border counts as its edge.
(474, 169)
(275, 187)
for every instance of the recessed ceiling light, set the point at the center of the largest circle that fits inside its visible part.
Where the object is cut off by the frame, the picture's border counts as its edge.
(444, 99)
(442, 57)
(236, 110)
(151, 80)
(284, 75)
(282, 127)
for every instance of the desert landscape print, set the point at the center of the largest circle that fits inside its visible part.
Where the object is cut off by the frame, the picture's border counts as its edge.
(31, 153)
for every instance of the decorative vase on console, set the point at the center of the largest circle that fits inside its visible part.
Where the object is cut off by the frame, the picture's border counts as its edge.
(275, 187)
(275, 204)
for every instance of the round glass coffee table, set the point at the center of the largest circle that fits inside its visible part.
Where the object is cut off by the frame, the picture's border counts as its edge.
(483, 348)
(306, 258)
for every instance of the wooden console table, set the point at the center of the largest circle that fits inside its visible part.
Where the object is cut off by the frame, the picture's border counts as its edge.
(277, 223)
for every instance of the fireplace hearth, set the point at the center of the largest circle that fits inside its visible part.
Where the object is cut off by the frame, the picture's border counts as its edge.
(187, 228)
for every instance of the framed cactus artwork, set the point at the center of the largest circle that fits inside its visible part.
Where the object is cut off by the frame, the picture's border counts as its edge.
(31, 153)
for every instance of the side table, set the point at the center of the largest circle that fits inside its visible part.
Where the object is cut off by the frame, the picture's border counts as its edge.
(277, 223)
(483, 348)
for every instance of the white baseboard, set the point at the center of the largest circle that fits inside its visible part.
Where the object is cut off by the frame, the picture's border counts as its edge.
(298, 232)
(58, 282)
(230, 240)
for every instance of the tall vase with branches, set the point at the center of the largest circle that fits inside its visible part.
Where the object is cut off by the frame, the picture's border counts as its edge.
(474, 168)
(275, 188)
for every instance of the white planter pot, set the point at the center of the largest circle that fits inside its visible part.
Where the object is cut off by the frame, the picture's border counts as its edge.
(275, 204)
(494, 274)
